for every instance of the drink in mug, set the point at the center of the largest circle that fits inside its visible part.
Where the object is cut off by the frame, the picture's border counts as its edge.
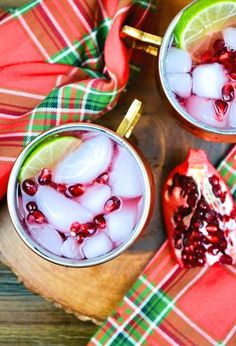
(80, 195)
(201, 62)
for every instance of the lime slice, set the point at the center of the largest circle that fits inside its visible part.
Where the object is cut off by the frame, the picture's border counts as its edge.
(46, 155)
(202, 19)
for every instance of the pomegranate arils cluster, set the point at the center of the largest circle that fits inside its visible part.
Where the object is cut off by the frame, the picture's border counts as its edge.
(200, 214)
(199, 230)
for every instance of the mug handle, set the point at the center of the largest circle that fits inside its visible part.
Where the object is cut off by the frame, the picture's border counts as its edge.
(130, 120)
(142, 40)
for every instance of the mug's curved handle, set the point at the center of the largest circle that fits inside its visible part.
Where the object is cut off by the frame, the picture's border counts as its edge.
(130, 120)
(142, 40)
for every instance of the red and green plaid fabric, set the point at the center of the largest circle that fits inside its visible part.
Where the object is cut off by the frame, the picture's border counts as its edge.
(170, 305)
(60, 62)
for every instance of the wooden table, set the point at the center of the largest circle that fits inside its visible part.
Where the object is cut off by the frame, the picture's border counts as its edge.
(27, 319)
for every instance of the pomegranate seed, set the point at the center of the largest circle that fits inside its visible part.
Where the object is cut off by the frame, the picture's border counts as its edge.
(202, 205)
(103, 178)
(76, 190)
(31, 206)
(221, 108)
(206, 57)
(29, 187)
(219, 45)
(178, 242)
(80, 238)
(200, 262)
(45, 177)
(214, 180)
(36, 217)
(100, 221)
(211, 228)
(192, 199)
(210, 216)
(112, 204)
(233, 214)
(88, 229)
(232, 73)
(213, 239)
(213, 250)
(74, 228)
(228, 93)
(226, 259)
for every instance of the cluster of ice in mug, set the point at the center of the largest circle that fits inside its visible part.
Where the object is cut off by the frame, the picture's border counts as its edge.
(207, 89)
(88, 204)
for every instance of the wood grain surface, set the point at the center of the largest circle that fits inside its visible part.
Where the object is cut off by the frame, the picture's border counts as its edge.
(93, 292)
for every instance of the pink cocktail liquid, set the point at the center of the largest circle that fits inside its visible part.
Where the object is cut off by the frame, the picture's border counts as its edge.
(87, 204)
(204, 80)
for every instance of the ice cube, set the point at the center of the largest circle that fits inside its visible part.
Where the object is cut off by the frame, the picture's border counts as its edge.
(178, 61)
(71, 249)
(229, 35)
(125, 179)
(48, 238)
(203, 110)
(95, 197)
(120, 224)
(232, 114)
(208, 80)
(84, 164)
(59, 210)
(181, 84)
(97, 245)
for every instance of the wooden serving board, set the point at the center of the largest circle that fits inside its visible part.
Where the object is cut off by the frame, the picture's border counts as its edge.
(92, 293)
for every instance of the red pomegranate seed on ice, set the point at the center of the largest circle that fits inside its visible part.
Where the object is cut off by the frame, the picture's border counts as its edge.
(219, 45)
(232, 73)
(29, 187)
(80, 238)
(221, 108)
(31, 206)
(100, 221)
(75, 228)
(228, 93)
(88, 229)
(36, 217)
(76, 190)
(45, 177)
(112, 204)
(103, 178)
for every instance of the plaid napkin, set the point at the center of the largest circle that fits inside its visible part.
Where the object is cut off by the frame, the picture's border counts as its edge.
(169, 305)
(60, 61)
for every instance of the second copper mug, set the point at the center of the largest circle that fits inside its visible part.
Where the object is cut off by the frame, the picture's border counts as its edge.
(158, 47)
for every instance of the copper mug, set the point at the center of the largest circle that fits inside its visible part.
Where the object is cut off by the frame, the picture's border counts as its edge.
(158, 47)
(120, 137)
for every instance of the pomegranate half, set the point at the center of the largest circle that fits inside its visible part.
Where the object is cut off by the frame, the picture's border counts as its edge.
(199, 213)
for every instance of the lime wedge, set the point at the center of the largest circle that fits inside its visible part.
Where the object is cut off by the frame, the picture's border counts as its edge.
(46, 155)
(202, 19)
